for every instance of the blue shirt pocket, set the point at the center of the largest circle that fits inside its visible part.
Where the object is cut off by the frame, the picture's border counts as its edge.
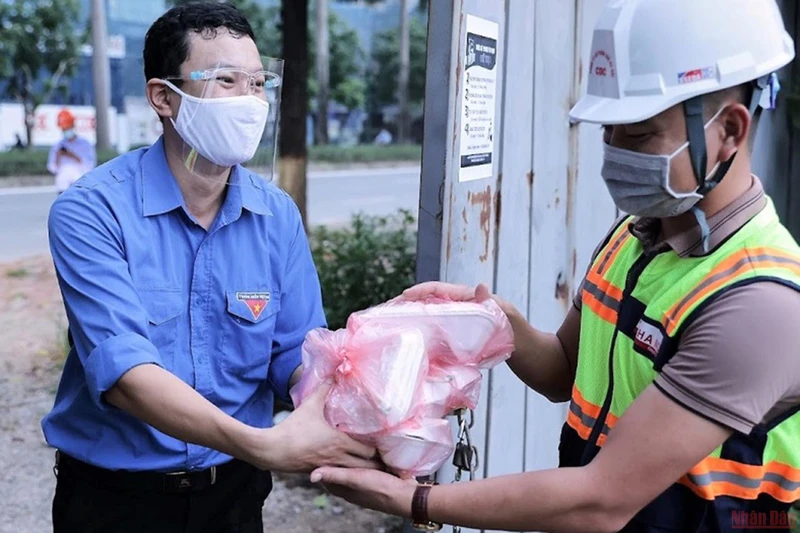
(164, 308)
(248, 329)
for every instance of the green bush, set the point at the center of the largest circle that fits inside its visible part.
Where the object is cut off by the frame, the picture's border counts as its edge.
(365, 153)
(367, 263)
(34, 162)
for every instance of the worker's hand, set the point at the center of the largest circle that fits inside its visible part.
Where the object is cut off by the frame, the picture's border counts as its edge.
(305, 441)
(456, 293)
(369, 488)
(448, 291)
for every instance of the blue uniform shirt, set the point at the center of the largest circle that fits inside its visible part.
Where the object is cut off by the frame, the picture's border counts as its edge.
(225, 310)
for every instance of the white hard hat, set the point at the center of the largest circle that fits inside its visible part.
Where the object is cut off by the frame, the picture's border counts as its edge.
(649, 55)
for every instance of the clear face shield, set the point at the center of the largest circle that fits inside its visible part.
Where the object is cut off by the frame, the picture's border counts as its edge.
(228, 116)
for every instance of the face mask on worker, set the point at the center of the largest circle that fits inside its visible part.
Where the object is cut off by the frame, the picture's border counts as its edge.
(225, 131)
(640, 183)
(69, 134)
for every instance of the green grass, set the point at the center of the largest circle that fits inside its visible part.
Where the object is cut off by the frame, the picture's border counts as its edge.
(34, 162)
(366, 153)
(17, 273)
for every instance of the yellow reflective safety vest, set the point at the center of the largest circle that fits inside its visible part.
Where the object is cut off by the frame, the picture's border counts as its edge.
(635, 308)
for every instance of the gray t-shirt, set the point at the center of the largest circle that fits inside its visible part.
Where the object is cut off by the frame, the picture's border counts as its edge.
(738, 363)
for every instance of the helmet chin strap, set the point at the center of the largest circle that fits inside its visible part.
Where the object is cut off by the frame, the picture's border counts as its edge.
(695, 129)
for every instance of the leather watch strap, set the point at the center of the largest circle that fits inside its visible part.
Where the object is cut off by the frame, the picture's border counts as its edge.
(419, 505)
(419, 509)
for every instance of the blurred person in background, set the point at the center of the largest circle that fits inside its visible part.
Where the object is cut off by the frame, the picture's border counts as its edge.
(72, 156)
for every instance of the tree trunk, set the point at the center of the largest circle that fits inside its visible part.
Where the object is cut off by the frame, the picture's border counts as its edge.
(403, 125)
(323, 73)
(294, 102)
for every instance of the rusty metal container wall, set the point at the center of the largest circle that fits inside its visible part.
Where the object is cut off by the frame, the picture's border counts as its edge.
(505, 447)
(469, 208)
(458, 219)
(529, 229)
(550, 269)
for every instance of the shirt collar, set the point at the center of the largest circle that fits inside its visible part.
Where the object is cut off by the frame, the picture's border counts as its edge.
(161, 193)
(251, 190)
(723, 224)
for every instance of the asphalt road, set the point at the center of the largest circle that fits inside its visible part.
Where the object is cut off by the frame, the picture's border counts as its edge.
(333, 197)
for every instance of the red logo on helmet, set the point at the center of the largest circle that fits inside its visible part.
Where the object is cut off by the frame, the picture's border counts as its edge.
(602, 65)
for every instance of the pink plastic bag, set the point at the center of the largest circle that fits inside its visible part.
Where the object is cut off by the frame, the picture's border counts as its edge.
(399, 368)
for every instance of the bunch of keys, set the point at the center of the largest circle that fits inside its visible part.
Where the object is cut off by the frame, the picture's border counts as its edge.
(465, 457)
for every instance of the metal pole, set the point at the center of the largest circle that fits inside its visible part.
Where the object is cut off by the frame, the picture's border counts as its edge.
(436, 149)
(101, 75)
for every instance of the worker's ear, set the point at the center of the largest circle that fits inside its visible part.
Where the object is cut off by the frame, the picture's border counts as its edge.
(736, 123)
(163, 100)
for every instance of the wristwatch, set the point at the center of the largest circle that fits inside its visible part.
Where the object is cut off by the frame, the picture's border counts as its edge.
(419, 508)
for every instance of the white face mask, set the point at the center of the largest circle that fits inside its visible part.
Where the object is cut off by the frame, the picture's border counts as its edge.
(225, 131)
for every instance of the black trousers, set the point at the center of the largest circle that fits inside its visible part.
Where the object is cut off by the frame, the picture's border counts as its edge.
(89, 500)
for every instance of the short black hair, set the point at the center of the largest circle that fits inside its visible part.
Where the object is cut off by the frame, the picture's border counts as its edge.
(166, 45)
(740, 94)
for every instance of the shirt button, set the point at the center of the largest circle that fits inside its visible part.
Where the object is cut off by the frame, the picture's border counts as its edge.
(200, 300)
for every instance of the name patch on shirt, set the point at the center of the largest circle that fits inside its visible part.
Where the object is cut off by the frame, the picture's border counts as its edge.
(648, 337)
(255, 301)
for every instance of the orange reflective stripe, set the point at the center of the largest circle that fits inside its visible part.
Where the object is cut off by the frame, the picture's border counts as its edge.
(613, 248)
(587, 407)
(726, 488)
(606, 313)
(779, 493)
(715, 464)
(575, 423)
(591, 409)
(710, 492)
(783, 470)
(582, 417)
(582, 429)
(604, 285)
(740, 262)
(722, 477)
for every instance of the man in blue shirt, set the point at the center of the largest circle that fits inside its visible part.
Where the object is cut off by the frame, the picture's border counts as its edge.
(188, 300)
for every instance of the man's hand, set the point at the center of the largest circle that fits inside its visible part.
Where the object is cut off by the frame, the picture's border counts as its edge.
(369, 488)
(652, 445)
(544, 362)
(65, 153)
(305, 441)
(447, 291)
(301, 443)
(456, 293)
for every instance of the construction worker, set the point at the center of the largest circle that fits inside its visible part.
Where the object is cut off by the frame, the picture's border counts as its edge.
(680, 357)
(72, 156)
